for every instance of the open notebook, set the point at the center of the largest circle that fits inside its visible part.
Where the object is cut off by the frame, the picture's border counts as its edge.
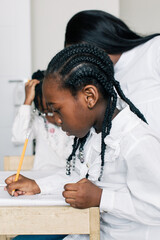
(31, 200)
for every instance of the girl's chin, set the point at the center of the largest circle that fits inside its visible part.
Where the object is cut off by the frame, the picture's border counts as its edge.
(75, 135)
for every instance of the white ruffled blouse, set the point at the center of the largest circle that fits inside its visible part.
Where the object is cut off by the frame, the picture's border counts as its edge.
(130, 201)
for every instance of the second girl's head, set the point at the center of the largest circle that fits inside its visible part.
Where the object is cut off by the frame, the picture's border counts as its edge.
(103, 30)
(39, 101)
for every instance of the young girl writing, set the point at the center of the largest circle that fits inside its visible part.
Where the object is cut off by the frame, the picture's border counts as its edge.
(115, 157)
(52, 144)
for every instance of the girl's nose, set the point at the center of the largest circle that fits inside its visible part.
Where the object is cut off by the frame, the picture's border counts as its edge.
(58, 120)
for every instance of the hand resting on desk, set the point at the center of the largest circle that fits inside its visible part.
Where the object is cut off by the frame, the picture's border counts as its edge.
(24, 186)
(83, 194)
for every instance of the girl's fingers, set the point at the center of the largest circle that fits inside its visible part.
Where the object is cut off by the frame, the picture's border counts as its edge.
(70, 201)
(11, 187)
(20, 192)
(15, 194)
(70, 187)
(10, 179)
(69, 194)
(32, 82)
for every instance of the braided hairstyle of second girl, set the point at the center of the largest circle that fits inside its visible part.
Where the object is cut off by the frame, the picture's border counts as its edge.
(39, 75)
(83, 64)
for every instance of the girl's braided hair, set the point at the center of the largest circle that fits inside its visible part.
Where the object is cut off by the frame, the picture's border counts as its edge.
(39, 75)
(83, 64)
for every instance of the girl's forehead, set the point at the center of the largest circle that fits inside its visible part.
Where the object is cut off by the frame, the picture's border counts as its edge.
(54, 93)
(51, 82)
(52, 79)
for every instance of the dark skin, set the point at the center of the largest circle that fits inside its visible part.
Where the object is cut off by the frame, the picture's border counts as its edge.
(83, 194)
(30, 91)
(24, 186)
(75, 114)
(69, 112)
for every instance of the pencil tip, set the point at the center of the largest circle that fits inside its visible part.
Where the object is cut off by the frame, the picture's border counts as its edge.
(12, 194)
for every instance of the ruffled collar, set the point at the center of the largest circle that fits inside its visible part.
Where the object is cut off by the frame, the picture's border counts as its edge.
(121, 124)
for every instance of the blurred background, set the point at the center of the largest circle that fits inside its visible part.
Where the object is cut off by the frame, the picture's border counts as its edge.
(32, 32)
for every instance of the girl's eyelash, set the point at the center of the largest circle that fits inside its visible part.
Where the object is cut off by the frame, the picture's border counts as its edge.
(50, 106)
(54, 110)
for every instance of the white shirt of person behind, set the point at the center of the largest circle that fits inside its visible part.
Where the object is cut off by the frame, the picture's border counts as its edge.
(53, 146)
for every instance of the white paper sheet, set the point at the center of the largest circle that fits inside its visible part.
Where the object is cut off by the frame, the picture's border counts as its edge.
(30, 200)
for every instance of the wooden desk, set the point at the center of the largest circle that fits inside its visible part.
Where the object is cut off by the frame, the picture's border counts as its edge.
(26, 215)
(49, 220)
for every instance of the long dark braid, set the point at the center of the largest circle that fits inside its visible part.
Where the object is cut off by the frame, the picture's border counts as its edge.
(131, 105)
(78, 143)
(82, 64)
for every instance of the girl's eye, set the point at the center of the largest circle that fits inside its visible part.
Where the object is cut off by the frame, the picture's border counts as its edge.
(52, 109)
(56, 111)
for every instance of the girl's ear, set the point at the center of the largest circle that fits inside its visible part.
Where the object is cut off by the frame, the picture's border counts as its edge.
(91, 95)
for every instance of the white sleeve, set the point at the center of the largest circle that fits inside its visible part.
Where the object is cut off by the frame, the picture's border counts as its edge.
(21, 124)
(139, 198)
(56, 182)
(156, 62)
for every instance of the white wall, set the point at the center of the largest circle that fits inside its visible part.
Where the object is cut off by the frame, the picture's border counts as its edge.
(143, 16)
(15, 66)
(49, 19)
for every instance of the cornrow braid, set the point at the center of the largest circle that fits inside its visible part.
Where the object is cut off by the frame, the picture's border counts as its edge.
(72, 155)
(79, 49)
(82, 64)
(76, 60)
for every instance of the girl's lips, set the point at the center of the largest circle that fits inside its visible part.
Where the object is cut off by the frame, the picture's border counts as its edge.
(68, 134)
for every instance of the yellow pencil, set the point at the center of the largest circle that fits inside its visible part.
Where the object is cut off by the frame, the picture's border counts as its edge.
(20, 162)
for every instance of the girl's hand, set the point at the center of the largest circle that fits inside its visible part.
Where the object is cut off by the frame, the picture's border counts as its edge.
(30, 91)
(83, 194)
(24, 186)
